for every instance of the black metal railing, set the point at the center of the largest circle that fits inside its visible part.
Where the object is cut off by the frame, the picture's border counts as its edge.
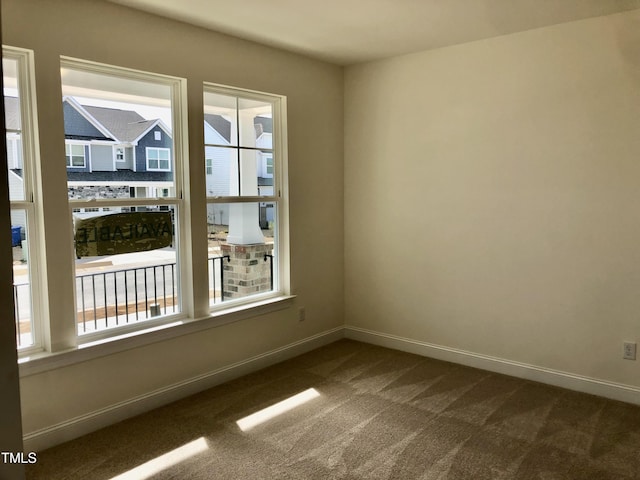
(217, 295)
(270, 258)
(120, 297)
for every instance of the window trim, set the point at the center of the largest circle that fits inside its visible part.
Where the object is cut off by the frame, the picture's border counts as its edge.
(158, 149)
(31, 203)
(177, 164)
(14, 144)
(43, 361)
(115, 154)
(82, 347)
(268, 163)
(280, 197)
(69, 157)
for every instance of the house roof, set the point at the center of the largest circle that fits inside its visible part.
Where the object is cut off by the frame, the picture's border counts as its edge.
(78, 124)
(12, 113)
(123, 176)
(219, 124)
(223, 126)
(265, 122)
(124, 125)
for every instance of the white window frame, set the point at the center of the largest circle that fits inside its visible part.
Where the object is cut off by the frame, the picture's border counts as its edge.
(178, 88)
(69, 155)
(158, 149)
(157, 135)
(265, 172)
(115, 154)
(208, 166)
(14, 144)
(30, 204)
(279, 199)
(69, 348)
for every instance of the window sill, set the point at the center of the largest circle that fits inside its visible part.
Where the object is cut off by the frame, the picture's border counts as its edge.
(42, 362)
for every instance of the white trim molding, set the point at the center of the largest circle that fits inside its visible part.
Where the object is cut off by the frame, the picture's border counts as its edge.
(84, 424)
(579, 383)
(90, 422)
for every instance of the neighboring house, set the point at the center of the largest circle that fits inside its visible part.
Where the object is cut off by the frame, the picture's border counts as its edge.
(14, 158)
(217, 131)
(116, 153)
(109, 152)
(264, 139)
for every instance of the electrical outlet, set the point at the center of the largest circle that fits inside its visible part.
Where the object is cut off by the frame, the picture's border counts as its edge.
(629, 352)
(302, 314)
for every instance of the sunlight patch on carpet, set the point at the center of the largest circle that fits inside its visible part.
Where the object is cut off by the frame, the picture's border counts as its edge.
(163, 462)
(250, 421)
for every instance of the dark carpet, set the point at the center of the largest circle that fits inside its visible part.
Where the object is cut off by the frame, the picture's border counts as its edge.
(370, 413)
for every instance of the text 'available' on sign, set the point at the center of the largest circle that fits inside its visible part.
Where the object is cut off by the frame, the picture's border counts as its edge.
(125, 232)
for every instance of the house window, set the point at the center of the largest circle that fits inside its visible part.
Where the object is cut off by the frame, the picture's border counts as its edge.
(269, 165)
(117, 219)
(75, 155)
(247, 258)
(19, 100)
(158, 158)
(14, 151)
(157, 135)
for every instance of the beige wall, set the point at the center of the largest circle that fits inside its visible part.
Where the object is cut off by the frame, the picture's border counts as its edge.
(112, 34)
(491, 196)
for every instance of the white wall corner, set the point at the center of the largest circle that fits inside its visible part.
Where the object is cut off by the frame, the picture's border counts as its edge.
(593, 386)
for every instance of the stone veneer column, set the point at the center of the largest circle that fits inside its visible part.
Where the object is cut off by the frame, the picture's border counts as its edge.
(247, 272)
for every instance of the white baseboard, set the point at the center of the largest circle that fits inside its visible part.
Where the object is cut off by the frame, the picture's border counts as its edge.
(615, 391)
(82, 425)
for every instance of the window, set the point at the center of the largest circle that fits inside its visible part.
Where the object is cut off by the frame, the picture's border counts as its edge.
(75, 155)
(157, 135)
(243, 129)
(17, 65)
(14, 150)
(269, 165)
(119, 154)
(124, 201)
(158, 159)
(128, 217)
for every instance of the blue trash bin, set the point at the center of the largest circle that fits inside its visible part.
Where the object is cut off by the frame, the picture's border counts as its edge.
(16, 235)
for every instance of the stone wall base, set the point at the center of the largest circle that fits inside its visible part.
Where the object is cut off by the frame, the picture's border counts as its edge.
(246, 272)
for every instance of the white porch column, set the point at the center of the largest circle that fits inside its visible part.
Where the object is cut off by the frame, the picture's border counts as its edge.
(244, 228)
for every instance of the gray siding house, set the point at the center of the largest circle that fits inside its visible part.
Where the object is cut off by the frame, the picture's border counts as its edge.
(116, 153)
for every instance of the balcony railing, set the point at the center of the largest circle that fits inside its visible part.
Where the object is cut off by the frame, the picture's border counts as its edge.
(121, 297)
(110, 299)
(216, 270)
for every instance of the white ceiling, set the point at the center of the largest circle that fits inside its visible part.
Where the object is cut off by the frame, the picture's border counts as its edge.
(353, 31)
